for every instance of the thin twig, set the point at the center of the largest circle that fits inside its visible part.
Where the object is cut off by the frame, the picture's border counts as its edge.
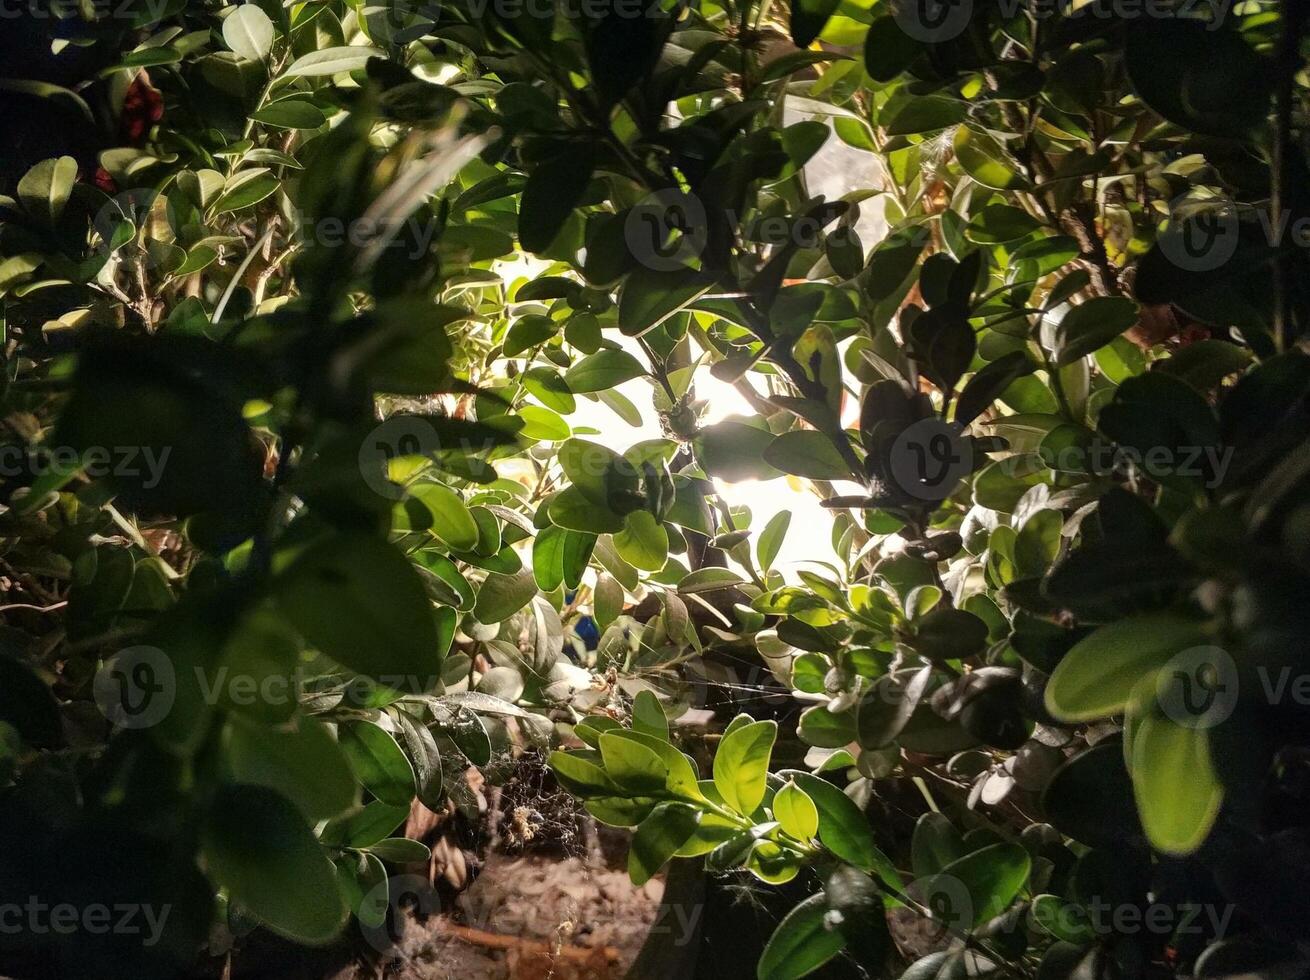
(32, 608)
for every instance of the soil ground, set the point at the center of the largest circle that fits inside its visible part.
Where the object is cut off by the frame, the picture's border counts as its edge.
(533, 918)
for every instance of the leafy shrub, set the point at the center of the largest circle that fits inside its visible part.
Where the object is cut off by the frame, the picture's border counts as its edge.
(297, 527)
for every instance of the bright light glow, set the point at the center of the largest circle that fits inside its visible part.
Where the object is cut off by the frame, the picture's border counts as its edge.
(810, 536)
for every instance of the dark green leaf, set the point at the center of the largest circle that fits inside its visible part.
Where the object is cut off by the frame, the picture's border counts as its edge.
(802, 942)
(257, 845)
(361, 602)
(553, 190)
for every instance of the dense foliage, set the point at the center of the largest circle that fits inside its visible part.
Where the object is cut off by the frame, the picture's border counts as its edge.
(296, 526)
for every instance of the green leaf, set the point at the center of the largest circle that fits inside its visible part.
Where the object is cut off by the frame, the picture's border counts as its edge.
(549, 387)
(621, 405)
(604, 369)
(1000, 223)
(888, 50)
(331, 61)
(649, 297)
(249, 32)
(802, 942)
(452, 521)
(164, 54)
(1097, 676)
(984, 161)
(379, 763)
(1090, 798)
(844, 251)
(1178, 792)
(364, 827)
(935, 844)
(425, 755)
(246, 190)
(1206, 363)
(257, 845)
(596, 471)
(622, 49)
(796, 812)
(741, 765)
(843, 828)
(993, 876)
(808, 18)
(892, 261)
(1091, 325)
(634, 766)
(771, 538)
(580, 775)
(548, 557)
(502, 595)
(402, 850)
(826, 729)
(807, 453)
(553, 190)
(1205, 77)
(289, 113)
(361, 602)
(583, 332)
(303, 762)
(607, 602)
(944, 344)
(527, 332)
(643, 542)
(573, 509)
(734, 451)
(682, 779)
(949, 634)
(886, 710)
(1063, 920)
(648, 715)
(658, 838)
(44, 190)
(989, 384)
(925, 114)
(578, 549)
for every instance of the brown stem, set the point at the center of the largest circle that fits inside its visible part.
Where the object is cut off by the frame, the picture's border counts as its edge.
(1077, 221)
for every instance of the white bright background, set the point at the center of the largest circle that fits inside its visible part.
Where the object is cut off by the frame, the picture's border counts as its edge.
(837, 169)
